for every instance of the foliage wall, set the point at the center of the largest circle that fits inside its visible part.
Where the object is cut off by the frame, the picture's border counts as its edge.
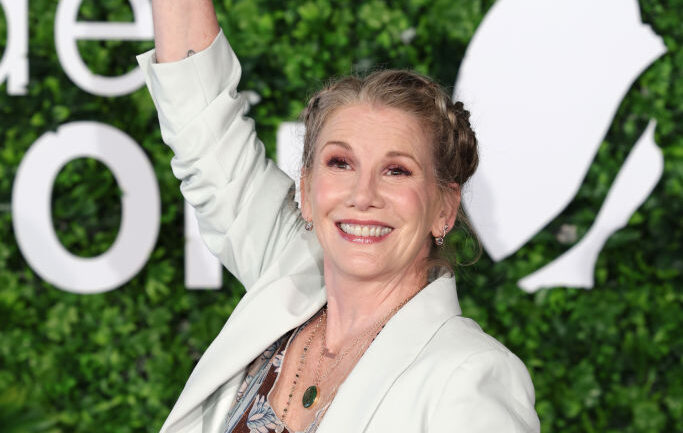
(603, 360)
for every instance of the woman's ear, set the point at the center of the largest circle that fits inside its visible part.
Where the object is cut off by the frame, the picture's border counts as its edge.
(450, 203)
(303, 190)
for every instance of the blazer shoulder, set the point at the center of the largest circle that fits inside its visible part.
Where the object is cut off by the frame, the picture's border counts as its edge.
(460, 338)
(481, 381)
(460, 343)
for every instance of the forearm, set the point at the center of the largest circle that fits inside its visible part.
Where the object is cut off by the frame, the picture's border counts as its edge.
(182, 27)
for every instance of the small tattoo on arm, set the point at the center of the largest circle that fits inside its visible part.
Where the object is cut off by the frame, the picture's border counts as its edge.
(190, 52)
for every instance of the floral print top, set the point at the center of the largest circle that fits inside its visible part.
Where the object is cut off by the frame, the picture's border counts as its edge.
(251, 412)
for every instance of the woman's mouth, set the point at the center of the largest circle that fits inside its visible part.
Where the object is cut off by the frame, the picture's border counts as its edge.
(363, 233)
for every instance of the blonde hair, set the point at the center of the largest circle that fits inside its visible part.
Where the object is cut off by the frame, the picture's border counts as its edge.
(454, 149)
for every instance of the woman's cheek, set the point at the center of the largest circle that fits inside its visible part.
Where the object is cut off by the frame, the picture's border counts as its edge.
(326, 190)
(409, 199)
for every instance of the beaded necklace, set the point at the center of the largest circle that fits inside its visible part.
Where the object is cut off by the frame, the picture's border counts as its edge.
(312, 393)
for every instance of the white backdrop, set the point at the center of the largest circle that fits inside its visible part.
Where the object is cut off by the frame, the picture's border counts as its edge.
(542, 80)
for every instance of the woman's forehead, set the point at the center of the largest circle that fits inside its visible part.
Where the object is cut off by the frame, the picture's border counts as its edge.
(360, 127)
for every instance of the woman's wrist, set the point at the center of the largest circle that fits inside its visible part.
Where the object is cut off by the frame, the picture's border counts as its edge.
(182, 27)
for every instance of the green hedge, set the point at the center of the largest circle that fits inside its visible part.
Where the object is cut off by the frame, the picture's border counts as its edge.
(603, 360)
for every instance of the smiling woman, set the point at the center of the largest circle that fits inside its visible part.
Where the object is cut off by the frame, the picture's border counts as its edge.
(414, 121)
(343, 326)
(372, 172)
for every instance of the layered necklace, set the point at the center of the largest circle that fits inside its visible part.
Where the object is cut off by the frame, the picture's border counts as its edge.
(311, 396)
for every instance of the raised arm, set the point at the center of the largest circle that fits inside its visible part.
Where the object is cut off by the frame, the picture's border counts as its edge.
(182, 27)
(243, 202)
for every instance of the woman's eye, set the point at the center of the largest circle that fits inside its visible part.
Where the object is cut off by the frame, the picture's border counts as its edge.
(398, 171)
(337, 162)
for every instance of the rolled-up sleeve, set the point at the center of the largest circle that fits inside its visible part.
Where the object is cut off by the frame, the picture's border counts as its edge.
(243, 202)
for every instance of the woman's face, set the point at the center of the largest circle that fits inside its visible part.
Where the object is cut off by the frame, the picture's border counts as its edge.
(372, 194)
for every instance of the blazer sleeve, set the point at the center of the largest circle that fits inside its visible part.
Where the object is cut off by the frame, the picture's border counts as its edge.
(490, 392)
(243, 202)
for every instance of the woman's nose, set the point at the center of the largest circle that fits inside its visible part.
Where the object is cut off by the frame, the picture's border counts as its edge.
(364, 193)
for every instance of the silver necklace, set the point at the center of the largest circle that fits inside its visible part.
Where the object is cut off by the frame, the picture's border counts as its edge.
(312, 393)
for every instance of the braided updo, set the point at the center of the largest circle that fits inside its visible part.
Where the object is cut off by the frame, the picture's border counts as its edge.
(454, 151)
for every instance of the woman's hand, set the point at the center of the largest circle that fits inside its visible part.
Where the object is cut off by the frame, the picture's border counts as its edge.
(182, 27)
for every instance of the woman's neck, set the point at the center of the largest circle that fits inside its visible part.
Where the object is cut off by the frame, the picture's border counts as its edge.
(354, 305)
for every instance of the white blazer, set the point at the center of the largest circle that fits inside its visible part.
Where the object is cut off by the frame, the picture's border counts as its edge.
(429, 370)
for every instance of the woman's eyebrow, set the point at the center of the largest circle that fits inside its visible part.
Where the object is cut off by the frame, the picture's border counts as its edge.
(394, 153)
(343, 144)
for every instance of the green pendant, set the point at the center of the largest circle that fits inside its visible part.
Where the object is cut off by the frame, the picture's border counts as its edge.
(310, 396)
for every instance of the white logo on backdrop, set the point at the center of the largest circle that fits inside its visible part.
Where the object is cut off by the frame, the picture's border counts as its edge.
(68, 31)
(32, 211)
(633, 184)
(14, 61)
(543, 81)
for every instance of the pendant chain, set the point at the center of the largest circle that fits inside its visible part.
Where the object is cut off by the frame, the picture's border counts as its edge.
(373, 331)
(300, 368)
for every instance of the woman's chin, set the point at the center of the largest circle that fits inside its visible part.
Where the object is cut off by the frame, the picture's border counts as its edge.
(361, 267)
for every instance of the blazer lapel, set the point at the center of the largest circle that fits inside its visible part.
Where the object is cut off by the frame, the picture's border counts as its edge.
(394, 349)
(262, 316)
(265, 314)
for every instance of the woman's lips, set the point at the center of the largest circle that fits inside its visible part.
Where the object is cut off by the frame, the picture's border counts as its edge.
(363, 232)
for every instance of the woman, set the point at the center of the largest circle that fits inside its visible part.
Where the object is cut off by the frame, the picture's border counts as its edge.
(347, 323)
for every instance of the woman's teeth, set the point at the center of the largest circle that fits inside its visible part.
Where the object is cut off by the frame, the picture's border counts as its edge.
(364, 231)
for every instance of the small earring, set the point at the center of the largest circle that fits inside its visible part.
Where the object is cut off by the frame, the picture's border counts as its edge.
(440, 240)
(308, 226)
